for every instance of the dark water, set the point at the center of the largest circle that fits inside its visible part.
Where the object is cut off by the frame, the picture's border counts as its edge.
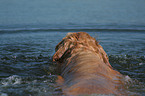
(30, 30)
(27, 69)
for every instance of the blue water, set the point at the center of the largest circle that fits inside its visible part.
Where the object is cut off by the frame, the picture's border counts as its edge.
(72, 13)
(30, 30)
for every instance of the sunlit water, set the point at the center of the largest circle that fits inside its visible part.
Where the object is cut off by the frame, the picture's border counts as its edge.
(30, 30)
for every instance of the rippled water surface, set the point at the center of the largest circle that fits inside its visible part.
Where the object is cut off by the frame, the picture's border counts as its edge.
(26, 61)
(30, 30)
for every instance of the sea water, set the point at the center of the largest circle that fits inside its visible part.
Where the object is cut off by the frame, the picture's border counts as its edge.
(30, 30)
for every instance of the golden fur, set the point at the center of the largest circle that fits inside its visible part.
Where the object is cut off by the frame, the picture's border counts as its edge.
(84, 67)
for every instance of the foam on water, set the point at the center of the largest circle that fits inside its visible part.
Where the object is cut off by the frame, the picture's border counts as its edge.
(34, 86)
(3, 94)
(12, 80)
(127, 79)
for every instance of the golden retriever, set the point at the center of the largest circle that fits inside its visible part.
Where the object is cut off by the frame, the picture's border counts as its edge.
(84, 67)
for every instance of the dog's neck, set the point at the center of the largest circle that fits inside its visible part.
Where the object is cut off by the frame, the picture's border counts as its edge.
(82, 62)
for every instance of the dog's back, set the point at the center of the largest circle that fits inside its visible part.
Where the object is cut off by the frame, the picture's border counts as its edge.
(85, 68)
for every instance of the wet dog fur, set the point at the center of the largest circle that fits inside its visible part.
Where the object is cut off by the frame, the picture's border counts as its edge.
(84, 67)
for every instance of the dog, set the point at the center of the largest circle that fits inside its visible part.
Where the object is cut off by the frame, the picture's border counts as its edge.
(84, 67)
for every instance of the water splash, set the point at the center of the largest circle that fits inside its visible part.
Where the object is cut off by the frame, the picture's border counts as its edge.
(3, 94)
(12, 80)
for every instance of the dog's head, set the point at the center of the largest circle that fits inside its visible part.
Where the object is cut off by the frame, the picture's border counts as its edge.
(74, 42)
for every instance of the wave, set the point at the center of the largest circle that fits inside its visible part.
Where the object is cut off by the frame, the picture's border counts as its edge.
(72, 29)
(132, 66)
(12, 80)
(16, 85)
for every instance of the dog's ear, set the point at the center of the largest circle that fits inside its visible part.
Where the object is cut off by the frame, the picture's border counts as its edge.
(64, 46)
(61, 49)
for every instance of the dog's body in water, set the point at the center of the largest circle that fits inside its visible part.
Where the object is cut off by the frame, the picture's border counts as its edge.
(84, 67)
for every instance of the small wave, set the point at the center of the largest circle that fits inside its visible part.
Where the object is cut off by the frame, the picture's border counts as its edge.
(12, 80)
(28, 86)
(15, 30)
(127, 79)
(3, 94)
(130, 65)
(25, 58)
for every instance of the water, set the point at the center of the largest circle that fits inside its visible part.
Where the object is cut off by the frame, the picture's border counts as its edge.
(30, 30)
